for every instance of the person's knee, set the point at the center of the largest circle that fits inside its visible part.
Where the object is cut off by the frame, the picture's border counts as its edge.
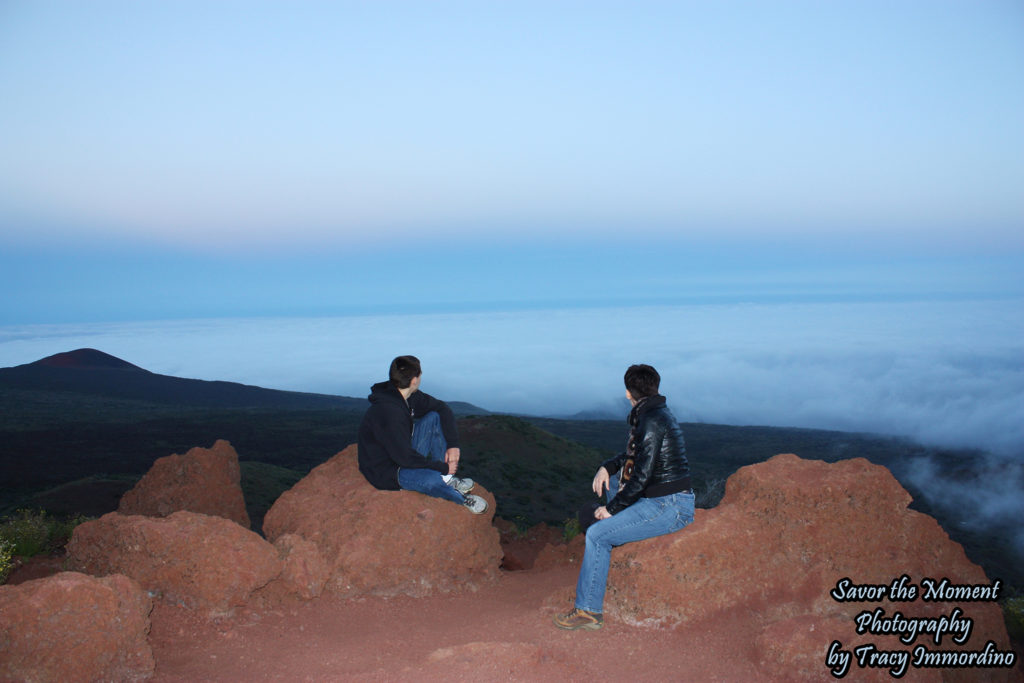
(429, 419)
(592, 537)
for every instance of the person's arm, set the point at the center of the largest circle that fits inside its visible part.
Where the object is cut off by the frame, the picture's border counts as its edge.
(643, 466)
(600, 483)
(389, 430)
(614, 464)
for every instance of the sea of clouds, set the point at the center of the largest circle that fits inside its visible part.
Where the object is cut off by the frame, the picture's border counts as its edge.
(941, 373)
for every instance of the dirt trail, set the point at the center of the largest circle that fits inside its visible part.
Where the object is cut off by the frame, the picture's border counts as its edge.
(499, 633)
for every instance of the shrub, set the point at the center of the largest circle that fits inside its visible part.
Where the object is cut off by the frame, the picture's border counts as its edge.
(571, 529)
(1013, 613)
(27, 532)
(522, 526)
(33, 532)
(6, 563)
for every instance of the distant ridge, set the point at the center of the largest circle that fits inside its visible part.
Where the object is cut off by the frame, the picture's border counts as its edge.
(86, 358)
(95, 373)
(90, 372)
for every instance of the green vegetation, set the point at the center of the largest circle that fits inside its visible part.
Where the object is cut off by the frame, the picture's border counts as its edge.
(1013, 613)
(262, 484)
(32, 532)
(534, 475)
(6, 564)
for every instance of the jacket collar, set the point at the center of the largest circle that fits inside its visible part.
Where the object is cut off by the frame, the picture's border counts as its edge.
(644, 405)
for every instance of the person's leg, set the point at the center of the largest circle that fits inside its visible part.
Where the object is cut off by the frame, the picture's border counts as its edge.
(428, 440)
(428, 482)
(427, 437)
(646, 518)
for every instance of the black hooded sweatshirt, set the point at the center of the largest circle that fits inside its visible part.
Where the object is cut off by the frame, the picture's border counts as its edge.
(385, 435)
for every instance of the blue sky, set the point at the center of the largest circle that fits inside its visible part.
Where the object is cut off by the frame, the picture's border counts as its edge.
(194, 159)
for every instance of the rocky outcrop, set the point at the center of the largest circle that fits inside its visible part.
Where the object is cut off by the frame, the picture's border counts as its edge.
(72, 627)
(786, 533)
(199, 561)
(304, 571)
(204, 480)
(384, 542)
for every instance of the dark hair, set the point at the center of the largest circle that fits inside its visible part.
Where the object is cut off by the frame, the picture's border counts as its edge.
(642, 381)
(404, 370)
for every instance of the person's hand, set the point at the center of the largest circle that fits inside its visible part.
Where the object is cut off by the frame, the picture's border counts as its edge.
(602, 512)
(600, 484)
(451, 456)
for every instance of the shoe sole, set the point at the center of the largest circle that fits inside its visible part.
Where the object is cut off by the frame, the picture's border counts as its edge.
(581, 627)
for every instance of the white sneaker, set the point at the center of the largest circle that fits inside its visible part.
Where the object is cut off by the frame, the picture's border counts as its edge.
(476, 504)
(463, 486)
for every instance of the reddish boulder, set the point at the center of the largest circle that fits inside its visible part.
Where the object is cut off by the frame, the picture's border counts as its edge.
(72, 627)
(786, 532)
(304, 570)
(199, 561)
(560, 553)
(204, 480)
(385, 542)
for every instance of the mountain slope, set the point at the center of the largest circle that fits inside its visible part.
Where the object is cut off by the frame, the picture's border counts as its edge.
(91, 372)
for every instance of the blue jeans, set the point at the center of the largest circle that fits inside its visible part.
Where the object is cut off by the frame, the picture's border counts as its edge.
(428, 440)
(646, 518)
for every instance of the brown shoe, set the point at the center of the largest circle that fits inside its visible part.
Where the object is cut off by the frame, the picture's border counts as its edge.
(579, 618)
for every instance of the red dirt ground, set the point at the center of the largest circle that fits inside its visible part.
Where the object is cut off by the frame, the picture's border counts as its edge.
(501, 632)
(498, 633)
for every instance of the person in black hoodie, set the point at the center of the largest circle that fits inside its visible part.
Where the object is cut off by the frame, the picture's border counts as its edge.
(408, 440)
(649, 493)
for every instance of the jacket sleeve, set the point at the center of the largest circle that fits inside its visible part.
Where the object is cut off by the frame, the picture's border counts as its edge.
(425, 403)
(389, 430)
(643, 466)
(614, 464)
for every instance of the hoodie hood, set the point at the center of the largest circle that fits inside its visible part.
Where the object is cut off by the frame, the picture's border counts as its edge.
(385, 392)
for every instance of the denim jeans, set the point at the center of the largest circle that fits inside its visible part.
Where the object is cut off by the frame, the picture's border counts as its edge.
(428, 440)
(646, 518)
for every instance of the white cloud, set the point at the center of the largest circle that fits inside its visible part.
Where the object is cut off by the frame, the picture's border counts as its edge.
(947, 374)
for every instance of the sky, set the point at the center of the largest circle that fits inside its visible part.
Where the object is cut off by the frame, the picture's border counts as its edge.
(173, 160)
(257, 191)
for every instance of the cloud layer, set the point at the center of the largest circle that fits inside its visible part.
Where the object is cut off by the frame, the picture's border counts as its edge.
(943, 373)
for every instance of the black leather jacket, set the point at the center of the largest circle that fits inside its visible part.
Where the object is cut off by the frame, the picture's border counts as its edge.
(654, 463)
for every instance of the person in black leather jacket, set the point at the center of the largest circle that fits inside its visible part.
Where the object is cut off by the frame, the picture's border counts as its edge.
(649, 493)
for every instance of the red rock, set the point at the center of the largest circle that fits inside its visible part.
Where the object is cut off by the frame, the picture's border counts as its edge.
(560, 553)
(199, 561)
(71, 627)
(385, 542)
(204, 480)
(785, 533)
(305, 572)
